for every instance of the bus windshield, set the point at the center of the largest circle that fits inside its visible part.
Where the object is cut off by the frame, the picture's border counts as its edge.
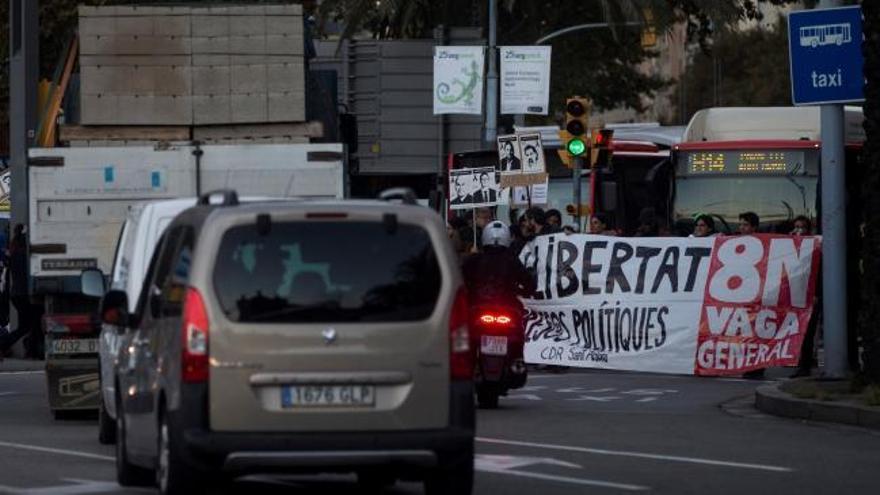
(777, 185)
(776, 200)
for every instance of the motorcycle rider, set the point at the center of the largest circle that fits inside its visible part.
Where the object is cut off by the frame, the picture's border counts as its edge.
(494, 279)
(495, 275)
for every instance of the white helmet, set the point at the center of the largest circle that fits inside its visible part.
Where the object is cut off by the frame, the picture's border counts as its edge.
(496, 234)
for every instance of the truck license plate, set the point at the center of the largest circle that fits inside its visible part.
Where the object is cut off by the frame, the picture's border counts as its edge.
(73, 346)
(493, 345)
(295, 396)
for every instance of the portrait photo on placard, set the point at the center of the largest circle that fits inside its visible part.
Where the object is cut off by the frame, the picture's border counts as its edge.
(486, 193)
(461, 188)
(532, 153)
(509, 158)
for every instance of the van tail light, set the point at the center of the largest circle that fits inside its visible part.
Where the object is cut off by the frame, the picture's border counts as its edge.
(461, 360)
(195, 338)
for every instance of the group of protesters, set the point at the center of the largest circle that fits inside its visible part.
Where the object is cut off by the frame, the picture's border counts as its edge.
(465, 232)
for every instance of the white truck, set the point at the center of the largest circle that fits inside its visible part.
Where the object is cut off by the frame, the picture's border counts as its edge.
(79, 198)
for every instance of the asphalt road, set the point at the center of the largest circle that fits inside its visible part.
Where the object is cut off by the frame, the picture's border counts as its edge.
(566, 433)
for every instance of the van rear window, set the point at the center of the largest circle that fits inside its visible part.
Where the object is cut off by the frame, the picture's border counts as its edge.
(324, 272)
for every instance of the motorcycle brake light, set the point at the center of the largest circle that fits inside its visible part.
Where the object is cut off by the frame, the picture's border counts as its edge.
(490, 319)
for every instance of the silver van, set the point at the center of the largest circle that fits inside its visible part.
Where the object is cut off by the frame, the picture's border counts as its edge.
(298, 337)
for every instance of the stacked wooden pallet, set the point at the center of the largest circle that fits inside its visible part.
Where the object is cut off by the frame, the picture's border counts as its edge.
(189, 66)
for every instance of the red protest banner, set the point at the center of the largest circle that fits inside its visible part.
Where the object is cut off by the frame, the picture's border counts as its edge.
(757, 304)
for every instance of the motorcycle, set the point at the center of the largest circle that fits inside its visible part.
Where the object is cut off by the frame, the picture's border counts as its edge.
(499, 364)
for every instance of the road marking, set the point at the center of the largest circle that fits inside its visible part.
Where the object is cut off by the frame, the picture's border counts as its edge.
(506, 464)
(567, 479)
(643, 455)
(524, 397)
(489, 461)
(2, 394)
(580, 390)
(595, 399)
(649, 391)
(79, 487)
(531, 388)
(34, 372)
(50, 450)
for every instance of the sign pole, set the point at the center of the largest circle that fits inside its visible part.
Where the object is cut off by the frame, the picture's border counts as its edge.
(578, 165)
(833, 176)
(826, 70)
(491, 125)
(834, 241)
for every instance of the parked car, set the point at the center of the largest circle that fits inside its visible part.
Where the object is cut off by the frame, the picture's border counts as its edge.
(307, 336)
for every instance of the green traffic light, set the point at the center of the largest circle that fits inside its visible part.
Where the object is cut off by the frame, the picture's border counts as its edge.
(577, 147)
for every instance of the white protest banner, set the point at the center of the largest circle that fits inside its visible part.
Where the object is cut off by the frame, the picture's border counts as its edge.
(525, 79)
(458, 79)
(706, 306)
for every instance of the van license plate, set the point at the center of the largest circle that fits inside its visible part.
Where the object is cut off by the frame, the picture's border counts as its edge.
(493, 345)
(294, 396)
(73, 346)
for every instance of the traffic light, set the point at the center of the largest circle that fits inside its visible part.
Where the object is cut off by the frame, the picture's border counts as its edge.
(600, 148)
(574, 135)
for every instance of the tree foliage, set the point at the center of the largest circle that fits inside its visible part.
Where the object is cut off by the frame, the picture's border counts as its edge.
(600, 63)
(741, 68)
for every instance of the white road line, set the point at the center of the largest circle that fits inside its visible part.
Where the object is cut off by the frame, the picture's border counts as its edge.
(567, 479)
(33, 372)
(50, 450)
(8, 393)
(643, 455)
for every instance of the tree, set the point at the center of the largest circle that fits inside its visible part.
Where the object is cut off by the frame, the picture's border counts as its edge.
(741, 68)
(870, 313)
(602, 64)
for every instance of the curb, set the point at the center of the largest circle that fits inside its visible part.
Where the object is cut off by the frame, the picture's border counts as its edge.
(770, 399)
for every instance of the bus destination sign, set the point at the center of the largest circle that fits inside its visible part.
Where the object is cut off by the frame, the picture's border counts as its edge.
(744, 162)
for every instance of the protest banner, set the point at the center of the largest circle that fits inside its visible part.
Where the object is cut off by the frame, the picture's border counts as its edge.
(706, 306)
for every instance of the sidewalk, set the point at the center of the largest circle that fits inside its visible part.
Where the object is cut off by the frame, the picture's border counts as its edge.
(8, 365)
(776, 398)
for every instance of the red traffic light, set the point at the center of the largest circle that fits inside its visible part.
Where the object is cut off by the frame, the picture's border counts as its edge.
(603, 137)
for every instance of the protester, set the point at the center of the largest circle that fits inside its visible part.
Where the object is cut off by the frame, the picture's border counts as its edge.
(554, 217)
(569, 229)
(599, 225)
(748, 223)
(537, 222)
(803, 226)
(21, 299)
(704, 226)
(519, 231)
(647, 223)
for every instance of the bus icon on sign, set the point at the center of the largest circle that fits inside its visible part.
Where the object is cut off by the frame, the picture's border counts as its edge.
(827, 34)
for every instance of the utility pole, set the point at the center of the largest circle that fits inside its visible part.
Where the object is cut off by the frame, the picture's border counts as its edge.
(834, 284)
(24, 58)
(492, 78)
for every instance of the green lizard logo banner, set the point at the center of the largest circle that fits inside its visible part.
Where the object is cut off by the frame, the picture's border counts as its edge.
(458, 80)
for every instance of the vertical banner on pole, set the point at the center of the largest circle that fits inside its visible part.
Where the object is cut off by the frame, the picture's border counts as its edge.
(458, 79)
(525, 79)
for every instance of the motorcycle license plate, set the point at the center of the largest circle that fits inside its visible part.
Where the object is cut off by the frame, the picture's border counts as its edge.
(493, 345)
